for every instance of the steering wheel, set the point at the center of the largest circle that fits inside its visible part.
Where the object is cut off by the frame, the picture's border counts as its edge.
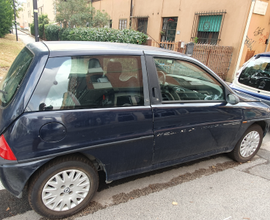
(161, 77)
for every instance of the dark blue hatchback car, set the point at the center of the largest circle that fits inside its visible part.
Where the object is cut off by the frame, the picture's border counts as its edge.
(72, 109)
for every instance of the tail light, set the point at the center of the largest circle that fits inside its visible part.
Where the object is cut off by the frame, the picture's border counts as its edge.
(5, 151)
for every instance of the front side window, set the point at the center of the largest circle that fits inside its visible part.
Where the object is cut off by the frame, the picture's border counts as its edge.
(12, 80)
(89, 82)
(184, 81)
(256, 73)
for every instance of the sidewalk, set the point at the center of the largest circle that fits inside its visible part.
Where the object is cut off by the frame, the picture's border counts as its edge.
(25, 38)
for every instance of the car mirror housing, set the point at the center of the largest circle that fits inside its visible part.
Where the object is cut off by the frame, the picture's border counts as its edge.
(232, 99)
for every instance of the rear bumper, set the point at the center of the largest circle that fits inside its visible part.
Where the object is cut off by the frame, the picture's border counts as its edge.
(14, 176)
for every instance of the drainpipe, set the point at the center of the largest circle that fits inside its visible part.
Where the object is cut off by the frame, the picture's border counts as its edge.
(131, 7)
(244, 36)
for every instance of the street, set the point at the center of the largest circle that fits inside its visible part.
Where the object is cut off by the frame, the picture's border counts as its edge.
(211, 188)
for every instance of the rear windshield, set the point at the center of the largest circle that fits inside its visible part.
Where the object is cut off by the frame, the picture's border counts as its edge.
(12, 80)
(256, 73)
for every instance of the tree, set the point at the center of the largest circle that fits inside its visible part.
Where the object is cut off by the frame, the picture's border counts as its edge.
(6, 17)
(43, 19)
(101, 19)
(79, 13)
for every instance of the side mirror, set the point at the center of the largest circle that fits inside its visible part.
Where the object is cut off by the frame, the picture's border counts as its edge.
(232, 99)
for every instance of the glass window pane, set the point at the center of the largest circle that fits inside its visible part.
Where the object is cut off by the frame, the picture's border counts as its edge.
(256, 74)
(180, 80)
(89, 82)
(12, 80)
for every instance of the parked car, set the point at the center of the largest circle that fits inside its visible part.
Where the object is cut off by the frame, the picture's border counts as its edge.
(72, 109)
(253, 77)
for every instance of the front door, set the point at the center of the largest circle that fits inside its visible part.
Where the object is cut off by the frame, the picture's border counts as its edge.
(192, 117)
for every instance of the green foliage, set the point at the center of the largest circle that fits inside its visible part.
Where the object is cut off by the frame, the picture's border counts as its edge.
(104, 35)
(52, 32)
(32, 29)
(100, 19)
(195, 40)
(79, 13)
(42, 21)
(6, 17)
(41, 31)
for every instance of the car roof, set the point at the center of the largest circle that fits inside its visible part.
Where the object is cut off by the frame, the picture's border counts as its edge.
(70, 48)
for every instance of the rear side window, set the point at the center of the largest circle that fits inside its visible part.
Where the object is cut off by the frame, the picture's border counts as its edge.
(89, 82)
(12, 80)
(256, 74)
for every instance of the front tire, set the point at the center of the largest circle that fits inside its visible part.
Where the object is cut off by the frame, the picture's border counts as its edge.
(63, 187)
(248, 145)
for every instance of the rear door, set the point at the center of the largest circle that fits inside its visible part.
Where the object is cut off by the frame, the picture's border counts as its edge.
(191, 116)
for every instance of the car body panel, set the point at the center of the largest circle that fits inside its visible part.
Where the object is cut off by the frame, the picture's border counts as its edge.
(125, 140)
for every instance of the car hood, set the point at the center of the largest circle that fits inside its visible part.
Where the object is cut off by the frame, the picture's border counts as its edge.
(246, 97)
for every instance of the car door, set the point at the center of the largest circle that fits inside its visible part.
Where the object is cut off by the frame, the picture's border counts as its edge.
(191, 115)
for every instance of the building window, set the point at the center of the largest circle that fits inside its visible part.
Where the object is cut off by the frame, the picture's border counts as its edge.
(122, 24)
(169, 29)
(142, 25)
(207, 27)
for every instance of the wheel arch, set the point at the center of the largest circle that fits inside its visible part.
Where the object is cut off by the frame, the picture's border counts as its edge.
(99, 166)
(263, 125)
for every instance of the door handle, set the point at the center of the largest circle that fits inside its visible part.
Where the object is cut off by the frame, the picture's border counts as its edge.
(154, 92)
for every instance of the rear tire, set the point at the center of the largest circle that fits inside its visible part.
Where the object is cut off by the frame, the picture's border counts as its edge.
(248, 145)
(63, 187)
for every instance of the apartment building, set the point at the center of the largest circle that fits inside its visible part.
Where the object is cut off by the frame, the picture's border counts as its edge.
(26, 15)
(242, 24)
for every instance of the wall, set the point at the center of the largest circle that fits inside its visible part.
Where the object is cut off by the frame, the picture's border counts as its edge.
(117, 9)
(23, 16)
(26, 15)
(232, 30)
(258, 32)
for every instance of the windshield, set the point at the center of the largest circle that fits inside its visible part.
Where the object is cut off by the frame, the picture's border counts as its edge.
(256, 73)
(12, 80)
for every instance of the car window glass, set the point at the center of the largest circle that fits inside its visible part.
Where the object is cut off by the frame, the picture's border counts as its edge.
(256, 73)
(12, 80)
(181, 80)
(89, 82)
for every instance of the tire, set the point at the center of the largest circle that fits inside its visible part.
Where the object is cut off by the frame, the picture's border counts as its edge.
(248, 145)
(52, 189)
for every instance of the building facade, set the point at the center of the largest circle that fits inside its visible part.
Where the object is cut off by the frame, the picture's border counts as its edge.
(26, 15)
(211, 21)
(242, 24)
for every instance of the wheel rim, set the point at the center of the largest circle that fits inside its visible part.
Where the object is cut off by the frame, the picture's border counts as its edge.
(65, 190)
(249, 144)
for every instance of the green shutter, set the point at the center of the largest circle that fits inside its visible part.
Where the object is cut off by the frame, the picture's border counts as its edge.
(210, 23)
